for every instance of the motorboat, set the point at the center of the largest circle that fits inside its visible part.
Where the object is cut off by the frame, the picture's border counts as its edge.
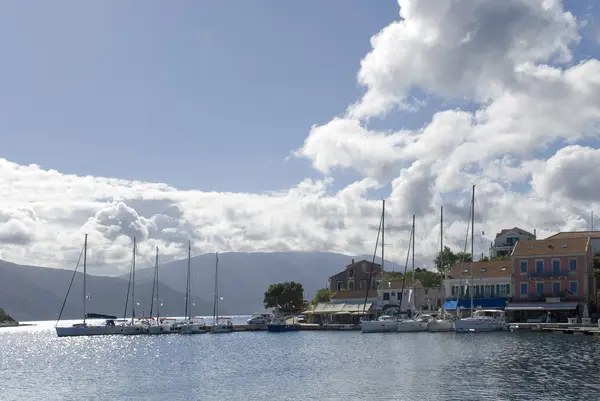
(87, 329)
(280, 324)
(482, 320)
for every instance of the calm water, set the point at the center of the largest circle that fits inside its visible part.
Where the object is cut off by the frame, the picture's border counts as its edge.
(35, 364)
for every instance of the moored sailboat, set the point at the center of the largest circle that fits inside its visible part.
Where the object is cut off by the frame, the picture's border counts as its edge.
(84, 328)
(189, 326)
(157, 326)
(220, 324)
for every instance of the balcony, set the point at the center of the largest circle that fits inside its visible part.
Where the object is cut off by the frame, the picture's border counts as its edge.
(560, 273)
(563, 295)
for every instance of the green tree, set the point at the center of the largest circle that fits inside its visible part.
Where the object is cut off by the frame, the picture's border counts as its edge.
(484, 259)
(394, 275)
(445, 260)
(285, 297)
(463, 257)
(501, 257)
(322, 295)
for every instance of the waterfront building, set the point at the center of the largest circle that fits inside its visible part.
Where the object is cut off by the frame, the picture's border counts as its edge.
(552, 276)
(423, 298)
(345, 307)
(490, 282)
(505, 241)
(356, 277)
(594, 237)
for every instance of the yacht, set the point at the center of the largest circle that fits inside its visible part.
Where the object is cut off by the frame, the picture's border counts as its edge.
(441, 324)
(418, 323)
(380, 325)
(85, 328)
(222, 325)
(482, 320)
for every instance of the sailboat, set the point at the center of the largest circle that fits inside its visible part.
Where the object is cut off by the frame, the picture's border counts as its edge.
(417, 323)
(84, 328)
(220, 324)
(134, 326)
(383, 324)
(189, 326)
(480, 320)
(444, 321)
(157, 327)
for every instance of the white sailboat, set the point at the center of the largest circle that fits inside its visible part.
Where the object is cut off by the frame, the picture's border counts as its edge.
(444, 321)
(220, 324)
(158, 326)
(480, 320)
(383, 324)
(84, 328)
(189, 326)
(133, 327)
(417, 323)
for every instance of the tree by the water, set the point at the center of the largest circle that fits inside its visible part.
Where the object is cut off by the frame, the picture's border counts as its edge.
(322, 295)
(445, 260)
(285, 297)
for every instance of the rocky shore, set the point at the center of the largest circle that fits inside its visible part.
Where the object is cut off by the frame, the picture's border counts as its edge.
(6, 320)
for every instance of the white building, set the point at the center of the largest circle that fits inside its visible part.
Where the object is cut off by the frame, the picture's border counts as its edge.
(506, 239)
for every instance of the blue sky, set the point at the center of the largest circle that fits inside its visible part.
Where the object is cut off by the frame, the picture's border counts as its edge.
(197, 94)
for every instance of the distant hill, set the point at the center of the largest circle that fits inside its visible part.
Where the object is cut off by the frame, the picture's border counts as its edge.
(37, 293)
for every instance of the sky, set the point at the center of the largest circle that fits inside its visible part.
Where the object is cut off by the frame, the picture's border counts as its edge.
(276, 126)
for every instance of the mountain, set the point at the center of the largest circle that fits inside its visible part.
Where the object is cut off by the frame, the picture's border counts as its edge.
(244, 277)
(37, 293)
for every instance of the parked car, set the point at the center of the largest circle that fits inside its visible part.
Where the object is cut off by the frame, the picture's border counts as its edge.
(301, 319)
(258, 320)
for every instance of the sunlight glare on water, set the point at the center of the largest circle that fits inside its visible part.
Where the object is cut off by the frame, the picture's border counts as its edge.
(35, 364)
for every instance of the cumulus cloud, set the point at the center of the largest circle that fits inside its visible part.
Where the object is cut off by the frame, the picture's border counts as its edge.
(527, 140)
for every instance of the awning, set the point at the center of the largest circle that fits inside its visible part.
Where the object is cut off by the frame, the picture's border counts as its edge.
(485, 303)
(341, 308)
(541, 306)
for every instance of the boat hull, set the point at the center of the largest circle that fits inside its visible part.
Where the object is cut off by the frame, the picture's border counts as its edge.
(159, 329)
(410, 326)
(221, 329)
(378, 326)
(192, 329)
(87, 330)
(436, 326)
(472, 325)
(280, 328)
(134, 330)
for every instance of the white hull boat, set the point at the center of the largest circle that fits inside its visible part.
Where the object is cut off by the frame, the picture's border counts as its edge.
(378, 326)
(221, 328)
(440, 325)
(409, 326)
(482, 321)
(192, 328)
(134, 329)
(159, 329)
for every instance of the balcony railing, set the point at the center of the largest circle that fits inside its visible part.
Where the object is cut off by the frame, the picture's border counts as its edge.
(564, 295)
(553, 273)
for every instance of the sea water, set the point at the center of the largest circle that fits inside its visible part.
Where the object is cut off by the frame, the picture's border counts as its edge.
(305, 365)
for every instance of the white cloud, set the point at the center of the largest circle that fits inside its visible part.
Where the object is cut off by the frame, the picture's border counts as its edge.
(510, 58)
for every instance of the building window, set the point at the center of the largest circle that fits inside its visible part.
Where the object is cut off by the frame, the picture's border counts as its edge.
(573, 287)
(350, 273)
(502, 291)
(386, 296)
(573, 265)
(399, 294)
(508, 290)
(340, 286)
(556, 267)
(362, 284)
(523, 288)
(539, 266)
(523, 266)
(351, 285)
(556, 288)
(539, 288)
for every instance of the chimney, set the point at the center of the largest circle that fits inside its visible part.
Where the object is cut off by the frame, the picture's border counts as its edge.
(352, 260)
(534, 234)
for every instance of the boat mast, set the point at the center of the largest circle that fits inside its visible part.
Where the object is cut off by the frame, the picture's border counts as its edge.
(382, 244)
(84, 278)
(187, 288)
(133, 284)
(157, 299)
(216, 300)
(441, 258)
(472, 242)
